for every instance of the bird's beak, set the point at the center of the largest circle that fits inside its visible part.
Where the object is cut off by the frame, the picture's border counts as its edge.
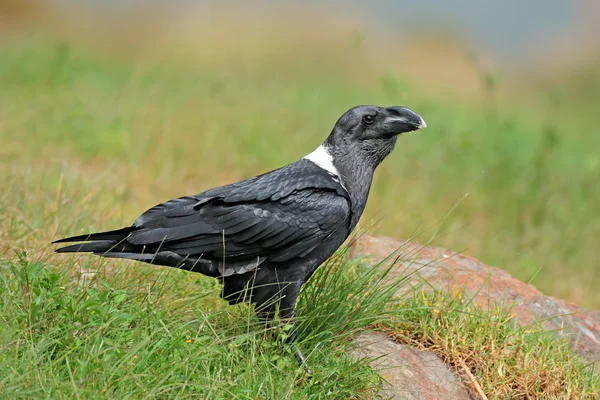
(401, 119)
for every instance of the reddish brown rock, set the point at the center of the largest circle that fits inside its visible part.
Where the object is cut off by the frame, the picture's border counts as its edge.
(454, 273)
(408, 373)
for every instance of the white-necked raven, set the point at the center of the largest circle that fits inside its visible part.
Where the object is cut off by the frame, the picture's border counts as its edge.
(265, 236)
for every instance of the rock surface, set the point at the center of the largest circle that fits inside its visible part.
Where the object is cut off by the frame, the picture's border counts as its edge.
(409, 374)
(454, 273)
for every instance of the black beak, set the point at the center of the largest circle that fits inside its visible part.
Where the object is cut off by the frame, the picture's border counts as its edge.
(401, 119)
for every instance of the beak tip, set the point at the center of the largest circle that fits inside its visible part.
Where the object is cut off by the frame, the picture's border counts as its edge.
(423, 124)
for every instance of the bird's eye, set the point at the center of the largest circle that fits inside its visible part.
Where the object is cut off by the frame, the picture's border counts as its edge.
(368, 119)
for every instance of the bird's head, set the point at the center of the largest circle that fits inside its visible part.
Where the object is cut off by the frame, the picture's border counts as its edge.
(370, 132)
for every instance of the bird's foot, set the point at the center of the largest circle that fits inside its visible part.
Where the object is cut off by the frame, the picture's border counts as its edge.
(302, 362)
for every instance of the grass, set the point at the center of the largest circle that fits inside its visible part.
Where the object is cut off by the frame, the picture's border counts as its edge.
(161, 333)
(494, 357)
(90, 141)
(164, 335)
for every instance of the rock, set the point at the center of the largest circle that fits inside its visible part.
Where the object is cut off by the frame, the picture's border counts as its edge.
(408, 373)
(454, 273)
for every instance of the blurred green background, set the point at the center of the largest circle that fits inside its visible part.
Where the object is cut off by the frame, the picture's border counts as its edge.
(107, 108)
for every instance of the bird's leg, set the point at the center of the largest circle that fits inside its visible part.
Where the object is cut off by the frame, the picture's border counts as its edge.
(288, 319)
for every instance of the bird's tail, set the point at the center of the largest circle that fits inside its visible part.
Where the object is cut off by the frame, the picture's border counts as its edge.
(112, 244)
(98, 243)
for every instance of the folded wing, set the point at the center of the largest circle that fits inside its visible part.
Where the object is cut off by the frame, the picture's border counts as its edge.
(274, 217)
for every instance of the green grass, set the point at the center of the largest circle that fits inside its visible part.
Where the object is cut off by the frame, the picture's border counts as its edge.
(165, 335)
(88, 142)
(150, 332)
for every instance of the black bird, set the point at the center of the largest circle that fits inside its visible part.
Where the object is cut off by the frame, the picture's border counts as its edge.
(265, 236)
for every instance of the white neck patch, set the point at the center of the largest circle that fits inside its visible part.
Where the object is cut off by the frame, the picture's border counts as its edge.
(323, 159)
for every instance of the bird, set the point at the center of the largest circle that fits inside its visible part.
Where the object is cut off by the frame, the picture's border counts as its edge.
(264, 237)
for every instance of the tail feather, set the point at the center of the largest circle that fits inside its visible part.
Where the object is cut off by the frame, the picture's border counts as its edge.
(112, 244)
(99, 247)
(116, 235)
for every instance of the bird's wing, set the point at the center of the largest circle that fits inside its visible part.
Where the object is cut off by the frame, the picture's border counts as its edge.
(277, 216)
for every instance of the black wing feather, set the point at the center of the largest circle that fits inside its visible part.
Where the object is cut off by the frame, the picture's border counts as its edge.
(276, 216)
